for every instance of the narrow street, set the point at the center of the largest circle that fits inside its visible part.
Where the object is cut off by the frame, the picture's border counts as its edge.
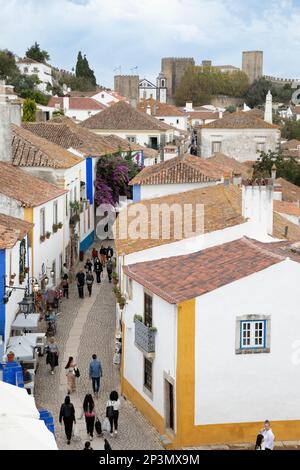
(86, 327)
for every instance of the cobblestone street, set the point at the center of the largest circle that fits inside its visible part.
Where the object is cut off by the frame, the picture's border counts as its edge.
(86, 327)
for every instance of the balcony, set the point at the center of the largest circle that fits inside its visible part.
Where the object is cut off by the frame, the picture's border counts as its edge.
(145, 338)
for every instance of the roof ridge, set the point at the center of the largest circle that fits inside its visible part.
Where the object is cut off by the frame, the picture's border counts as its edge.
(265, 251)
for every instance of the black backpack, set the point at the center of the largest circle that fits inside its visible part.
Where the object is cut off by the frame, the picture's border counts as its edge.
(98, 427)
(109, 411)
(77, 373)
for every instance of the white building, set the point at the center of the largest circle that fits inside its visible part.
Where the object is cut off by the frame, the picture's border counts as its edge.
(202, 333)
(137, 127)
(239, 135)
(147, 89)
(29, 66)
(77, 108)
(167, 113)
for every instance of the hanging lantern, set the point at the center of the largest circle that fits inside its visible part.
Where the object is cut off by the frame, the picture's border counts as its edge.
(26, 305)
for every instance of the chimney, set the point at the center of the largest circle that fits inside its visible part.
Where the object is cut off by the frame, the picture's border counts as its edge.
(258, 207)
(220, 114)
(149, 109)
(66, 103)
(277, 192)
(189, 106)
(5, 131)
(268, 108)
(237, 179)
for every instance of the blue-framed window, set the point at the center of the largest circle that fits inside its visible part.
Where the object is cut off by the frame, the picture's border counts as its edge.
(253, 334)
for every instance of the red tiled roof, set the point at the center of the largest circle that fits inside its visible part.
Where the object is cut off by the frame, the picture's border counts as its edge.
(239, 120)
(12, 230)
(29, 190)
(186, 169)
(284, 229)
(160, 109)
(78, 102)
(290, 192)
(289, 208)
(232, 164)
(185, 277)
(202, 115)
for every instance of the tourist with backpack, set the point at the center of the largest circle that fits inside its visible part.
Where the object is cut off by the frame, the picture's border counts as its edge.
(109, 269)
(89, 279)
(112, 411)
(67, 415)
(98, 269)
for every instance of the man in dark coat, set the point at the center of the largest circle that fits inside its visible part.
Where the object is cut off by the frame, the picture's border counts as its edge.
(98, 269)
(80, 277)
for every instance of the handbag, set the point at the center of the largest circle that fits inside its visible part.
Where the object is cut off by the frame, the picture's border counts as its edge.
(76, 372)
(109, 411)
(106, 425)
(98, 427)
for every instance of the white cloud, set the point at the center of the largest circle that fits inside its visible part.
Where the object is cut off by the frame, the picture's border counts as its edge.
(140, 32)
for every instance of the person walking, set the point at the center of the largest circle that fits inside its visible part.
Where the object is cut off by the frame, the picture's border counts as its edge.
(52, 354)
(268, 435)
(112, 411)
(67, 415)
(87, 446)
(98, 269)
(80, 276)
(110, 252)
(88, 265)
(65, 270)
(95, 373)
(89, 282)
(89, 414)
(94, 254)
(109, 269)
(65, 286)
(70, 373)
(103, 255)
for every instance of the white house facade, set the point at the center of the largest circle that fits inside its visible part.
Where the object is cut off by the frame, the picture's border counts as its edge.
(29, 66)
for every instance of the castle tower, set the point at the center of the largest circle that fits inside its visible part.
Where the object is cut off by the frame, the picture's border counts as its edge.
(161, 85)
(268, 108)
(128, 86)
(174, 68)
(253, 64)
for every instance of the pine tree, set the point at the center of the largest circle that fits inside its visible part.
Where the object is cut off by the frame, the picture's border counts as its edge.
(34, 52)
(83, 69)
(79, 65)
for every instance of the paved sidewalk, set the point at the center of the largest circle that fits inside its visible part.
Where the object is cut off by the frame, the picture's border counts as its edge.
(86, 327)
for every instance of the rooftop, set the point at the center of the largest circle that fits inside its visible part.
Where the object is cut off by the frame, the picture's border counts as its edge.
(284, 229)
(289, 208)
(185, 277)
(122, 116)
(12, 230)
(290, 144)
(186, 169)
(290, 192)
(28, 190)
(159, 109)
(239, 120)
(28, 149)
(231, 163)
(82, 103)
(222, 209)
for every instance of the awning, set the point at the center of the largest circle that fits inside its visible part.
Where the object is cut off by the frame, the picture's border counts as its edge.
(15, 401)
(30, 322)
(32, 339)
(23, 351)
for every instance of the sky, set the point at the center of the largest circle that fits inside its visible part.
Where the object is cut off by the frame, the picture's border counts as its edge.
(119, 35)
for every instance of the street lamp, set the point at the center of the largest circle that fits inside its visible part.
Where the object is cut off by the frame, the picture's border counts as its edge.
(26, 305)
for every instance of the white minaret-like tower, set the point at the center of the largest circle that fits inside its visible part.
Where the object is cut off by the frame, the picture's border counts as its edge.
(268, 108)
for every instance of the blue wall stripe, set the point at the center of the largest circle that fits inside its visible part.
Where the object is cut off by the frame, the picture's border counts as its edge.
(89, 180)
(136, 193)
(87, 242)
(2, 305)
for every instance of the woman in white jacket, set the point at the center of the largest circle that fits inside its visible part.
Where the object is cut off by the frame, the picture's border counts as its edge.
(112, 411)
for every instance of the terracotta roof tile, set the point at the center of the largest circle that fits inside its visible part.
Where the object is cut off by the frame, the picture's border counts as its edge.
(232, 164)
(284, 229)
(290, 144)
(239, 120)
(82, 103)
(203, 115)
(222, 209)
(29, 190)
(160, 109)
(289, 208)
(185, 277)
(122, 115)
(28, 149)
(12, 230)
(290, 192)
(186, 169)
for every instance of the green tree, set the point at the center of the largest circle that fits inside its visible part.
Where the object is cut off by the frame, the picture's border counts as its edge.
(256, 94)
(291, 130)
(83, 69)
(29, 110)
(8, 67)
(34, 52)
(286, 168)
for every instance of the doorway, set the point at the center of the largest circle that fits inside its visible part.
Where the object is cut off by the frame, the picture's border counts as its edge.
(169, 405)
(153, 143)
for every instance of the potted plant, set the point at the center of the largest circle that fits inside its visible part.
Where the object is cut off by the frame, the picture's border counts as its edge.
(48, 235)
(26, 270)
(42, 238)
(116, 291)
(115, 278)
(121, 302)
(138, 318)
(55, 228)
(12, 276)
(60, 224)
(21, 278)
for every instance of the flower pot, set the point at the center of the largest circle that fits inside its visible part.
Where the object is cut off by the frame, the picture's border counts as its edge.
(60, 225)
(115, 281)
(48, 235)
(42, 238)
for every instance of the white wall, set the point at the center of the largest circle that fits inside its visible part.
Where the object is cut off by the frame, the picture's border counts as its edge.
(149, 191)
(233, 388)
(292, 218)
(240, 144)
(165, 320)
(180, 122)
(81, 114)
(104, 97)
(258, 205)
(43, 71)
(142, 137)
(11, 207)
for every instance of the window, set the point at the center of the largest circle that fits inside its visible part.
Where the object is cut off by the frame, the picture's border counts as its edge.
(260, 147)
(162, 83)
(131, 139)
(253, 334)
(148, 374)
(102, 95)
(216, 147)
(55, 213)
(25, 69)
(42, 222)
(129, 287)
(147, 309)
(177, 121)
(35, 70)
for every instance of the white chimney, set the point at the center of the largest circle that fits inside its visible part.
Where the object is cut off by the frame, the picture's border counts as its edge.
(220, 114)
(237, 179)
(5, 132)
(66, 103)
(273, 172)
(189, 106)
(149, 109)
(268, 108)
(258, 207)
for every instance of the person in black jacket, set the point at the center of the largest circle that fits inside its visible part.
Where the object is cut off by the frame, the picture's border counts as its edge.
(88, 265)
(80, 276)
(98, 269)
(110, 252)
(67, 415)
